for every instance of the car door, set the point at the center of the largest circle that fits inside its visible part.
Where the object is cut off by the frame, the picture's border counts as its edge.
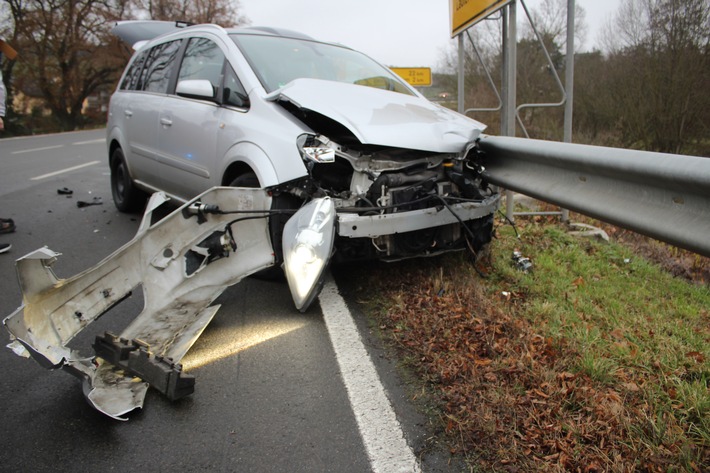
(141, 113)
(189, 126)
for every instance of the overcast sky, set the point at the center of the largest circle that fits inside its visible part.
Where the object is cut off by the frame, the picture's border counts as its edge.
(404, 33)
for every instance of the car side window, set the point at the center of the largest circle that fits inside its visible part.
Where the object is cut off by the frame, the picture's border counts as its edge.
(233, 92)
(130, 80)
(203, 59)
(158, 67)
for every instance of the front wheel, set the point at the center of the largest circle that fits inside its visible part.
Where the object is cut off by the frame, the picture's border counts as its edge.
(276, 222)
(126, 196)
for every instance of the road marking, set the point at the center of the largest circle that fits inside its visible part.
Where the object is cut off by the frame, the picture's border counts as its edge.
(37, 149)
(62, 171)
(90, 142)
(380, 430)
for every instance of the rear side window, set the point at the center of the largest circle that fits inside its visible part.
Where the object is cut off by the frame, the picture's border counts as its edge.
(158, 67)
(202, 60)
(130, 80)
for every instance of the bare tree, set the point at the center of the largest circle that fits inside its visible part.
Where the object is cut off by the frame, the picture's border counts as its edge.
(659, 65)
(221, 12)
(65, 51)
(550, 20)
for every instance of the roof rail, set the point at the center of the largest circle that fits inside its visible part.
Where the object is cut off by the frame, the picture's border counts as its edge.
(277, 32)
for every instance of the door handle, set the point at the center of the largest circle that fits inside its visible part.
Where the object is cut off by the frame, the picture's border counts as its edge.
(166, 121)
(128, 113)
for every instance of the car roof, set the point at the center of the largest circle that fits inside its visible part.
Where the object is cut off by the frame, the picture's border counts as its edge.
(283, 32)
(136, 32)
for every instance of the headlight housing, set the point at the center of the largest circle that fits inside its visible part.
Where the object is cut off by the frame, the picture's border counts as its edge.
(315, 149)
(307, 248)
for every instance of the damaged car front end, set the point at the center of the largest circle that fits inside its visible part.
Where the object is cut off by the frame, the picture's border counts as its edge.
(420, 194)
(345, 161)
(402, 171)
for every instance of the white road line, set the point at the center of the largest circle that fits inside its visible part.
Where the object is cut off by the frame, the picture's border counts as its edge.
(37, 149)
(62, 171)
(380, 430)
(90, 142)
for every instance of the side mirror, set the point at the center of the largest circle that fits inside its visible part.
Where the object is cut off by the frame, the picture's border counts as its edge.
(196, 89)
(307, 247)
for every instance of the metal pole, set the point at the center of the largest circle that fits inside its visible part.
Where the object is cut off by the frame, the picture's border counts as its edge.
(510, 95)
(504, 75)
(512, 67)
(461, 91)
(569, 84)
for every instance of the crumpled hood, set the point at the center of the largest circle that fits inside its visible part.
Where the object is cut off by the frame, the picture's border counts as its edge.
(381, 117)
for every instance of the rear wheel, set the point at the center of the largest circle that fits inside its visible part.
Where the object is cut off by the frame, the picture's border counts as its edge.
(126, 196)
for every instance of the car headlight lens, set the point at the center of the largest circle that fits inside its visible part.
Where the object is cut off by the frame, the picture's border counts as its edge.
(319, 155)
(307, 247)
(315, 149)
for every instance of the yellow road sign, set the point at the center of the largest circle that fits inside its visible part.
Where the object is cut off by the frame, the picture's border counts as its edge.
(466, 13)
(416, 76)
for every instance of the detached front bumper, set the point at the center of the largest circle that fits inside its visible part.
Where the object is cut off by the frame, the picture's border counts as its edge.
(183, 263)
(355, 226)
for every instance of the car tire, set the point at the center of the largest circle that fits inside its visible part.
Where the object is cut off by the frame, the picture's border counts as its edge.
(276, 223)
(126, 196)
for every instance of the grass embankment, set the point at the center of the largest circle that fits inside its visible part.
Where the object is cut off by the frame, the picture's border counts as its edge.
(596, 360)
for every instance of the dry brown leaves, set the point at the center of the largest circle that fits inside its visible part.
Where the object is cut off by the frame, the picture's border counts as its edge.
(510, 402)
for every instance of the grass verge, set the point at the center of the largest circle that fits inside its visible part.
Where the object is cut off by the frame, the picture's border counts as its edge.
(595, 360)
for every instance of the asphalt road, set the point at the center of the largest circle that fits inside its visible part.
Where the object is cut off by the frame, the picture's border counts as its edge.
(274, 400)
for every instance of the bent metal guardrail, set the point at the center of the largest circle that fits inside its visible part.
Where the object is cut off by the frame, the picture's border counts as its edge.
(664, 196)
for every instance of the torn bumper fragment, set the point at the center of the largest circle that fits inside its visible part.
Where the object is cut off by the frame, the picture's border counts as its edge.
(183, 263)
(134, 357)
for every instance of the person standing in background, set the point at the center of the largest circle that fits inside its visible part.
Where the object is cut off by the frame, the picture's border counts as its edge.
(2, 93)
(7, 51)
(6, 224)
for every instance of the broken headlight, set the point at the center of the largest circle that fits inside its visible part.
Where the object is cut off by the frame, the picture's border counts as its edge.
(313, 149)
(307, 247)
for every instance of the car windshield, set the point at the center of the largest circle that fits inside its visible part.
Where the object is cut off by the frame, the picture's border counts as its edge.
(277, 61)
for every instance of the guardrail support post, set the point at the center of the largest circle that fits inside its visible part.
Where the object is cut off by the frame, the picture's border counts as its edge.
(510, 42)
(569, 84)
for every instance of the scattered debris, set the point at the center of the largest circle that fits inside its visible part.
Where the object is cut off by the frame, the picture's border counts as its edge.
(521, 262)
(95, 201)
(65, 191)
(7, 225)
(588, 231)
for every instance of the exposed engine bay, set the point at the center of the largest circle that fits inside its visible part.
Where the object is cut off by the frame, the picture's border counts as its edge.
(378, 182)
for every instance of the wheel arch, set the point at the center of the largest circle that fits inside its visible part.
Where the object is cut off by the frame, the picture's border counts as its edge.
(247, 157)
(113, 145)
(234, 170)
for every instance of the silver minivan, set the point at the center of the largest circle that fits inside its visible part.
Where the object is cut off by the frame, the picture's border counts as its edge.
(240, 125)
(203, 106)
